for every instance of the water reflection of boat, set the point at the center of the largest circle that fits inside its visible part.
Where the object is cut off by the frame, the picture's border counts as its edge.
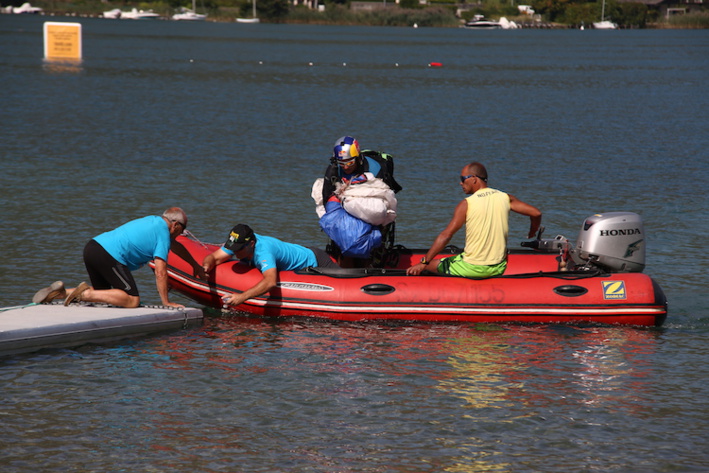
(603, 287)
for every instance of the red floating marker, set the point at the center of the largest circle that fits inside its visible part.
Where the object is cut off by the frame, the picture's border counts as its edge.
(435, 64)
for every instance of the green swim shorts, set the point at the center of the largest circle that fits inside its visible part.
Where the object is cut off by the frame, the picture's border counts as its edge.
(455, 266)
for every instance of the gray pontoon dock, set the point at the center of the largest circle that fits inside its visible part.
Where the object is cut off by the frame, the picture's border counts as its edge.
(34, 327)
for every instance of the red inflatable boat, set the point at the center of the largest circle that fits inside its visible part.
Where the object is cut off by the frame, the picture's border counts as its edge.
(532, 290)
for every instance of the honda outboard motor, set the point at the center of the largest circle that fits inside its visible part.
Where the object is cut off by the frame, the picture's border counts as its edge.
(614, 241)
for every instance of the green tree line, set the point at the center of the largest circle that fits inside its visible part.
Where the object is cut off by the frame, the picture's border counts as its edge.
(572, 13)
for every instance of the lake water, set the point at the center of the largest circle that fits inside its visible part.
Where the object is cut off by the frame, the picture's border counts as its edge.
(233, 123)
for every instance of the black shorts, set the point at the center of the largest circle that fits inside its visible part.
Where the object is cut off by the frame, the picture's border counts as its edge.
(105, 272)
(324, 260)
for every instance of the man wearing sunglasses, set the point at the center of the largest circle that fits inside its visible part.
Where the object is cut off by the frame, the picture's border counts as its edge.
(111, 256)
(485, 214)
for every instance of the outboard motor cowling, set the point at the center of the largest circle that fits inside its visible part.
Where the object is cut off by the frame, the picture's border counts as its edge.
(614, 241)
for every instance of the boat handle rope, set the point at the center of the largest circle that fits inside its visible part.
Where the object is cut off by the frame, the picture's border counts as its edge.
(566, 275)
(192, 236)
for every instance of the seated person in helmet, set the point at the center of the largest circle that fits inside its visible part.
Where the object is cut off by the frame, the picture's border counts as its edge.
(348, 163)
(348, 166)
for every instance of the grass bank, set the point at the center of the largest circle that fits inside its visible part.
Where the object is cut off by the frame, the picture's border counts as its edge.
(694, 21)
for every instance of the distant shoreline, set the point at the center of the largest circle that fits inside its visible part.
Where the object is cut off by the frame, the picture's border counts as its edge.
(522, 22)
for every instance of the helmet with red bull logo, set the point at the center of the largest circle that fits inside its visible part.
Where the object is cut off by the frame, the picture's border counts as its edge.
(346, 150)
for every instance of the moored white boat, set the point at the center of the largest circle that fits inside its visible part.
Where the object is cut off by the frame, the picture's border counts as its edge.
(189, 15)
(480, 23)
(26, 8)
(254, 18)
(186, 14)
(605, 25)
(112, 14)
(507, 24)
(136, 14)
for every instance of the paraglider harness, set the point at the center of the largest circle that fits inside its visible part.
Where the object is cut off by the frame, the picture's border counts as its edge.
(382, 256)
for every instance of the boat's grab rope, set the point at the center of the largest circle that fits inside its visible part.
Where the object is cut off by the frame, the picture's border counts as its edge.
(345, 273)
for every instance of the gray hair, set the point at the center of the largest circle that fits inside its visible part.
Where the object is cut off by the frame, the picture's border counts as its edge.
(175, 214)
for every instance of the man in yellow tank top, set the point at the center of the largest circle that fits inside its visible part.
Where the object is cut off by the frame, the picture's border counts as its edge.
(485, 214)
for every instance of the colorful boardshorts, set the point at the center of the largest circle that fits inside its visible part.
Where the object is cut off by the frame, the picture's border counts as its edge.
(455, 266)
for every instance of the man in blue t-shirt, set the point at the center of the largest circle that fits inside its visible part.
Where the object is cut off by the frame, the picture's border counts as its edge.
(110, 257)
(268, 254)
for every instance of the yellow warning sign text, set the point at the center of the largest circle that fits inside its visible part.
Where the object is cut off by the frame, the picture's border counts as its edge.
(62, 41)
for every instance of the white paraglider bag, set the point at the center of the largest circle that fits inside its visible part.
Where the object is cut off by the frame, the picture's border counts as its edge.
(370, 200)
(353, 216)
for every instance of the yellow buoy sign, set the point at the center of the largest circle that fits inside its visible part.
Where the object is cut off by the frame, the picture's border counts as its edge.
(62, 40)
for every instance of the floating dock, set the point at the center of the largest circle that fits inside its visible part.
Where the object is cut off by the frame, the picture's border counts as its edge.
(34, 327)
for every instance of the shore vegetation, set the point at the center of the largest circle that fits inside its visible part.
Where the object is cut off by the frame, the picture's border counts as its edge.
(434, 13)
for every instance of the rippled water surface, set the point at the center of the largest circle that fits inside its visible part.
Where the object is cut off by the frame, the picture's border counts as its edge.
(233, 123)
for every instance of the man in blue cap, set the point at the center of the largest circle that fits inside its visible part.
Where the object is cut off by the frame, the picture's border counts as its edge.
(268, 254)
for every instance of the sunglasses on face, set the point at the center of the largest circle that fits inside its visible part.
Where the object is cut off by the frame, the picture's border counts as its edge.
(465, 178)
